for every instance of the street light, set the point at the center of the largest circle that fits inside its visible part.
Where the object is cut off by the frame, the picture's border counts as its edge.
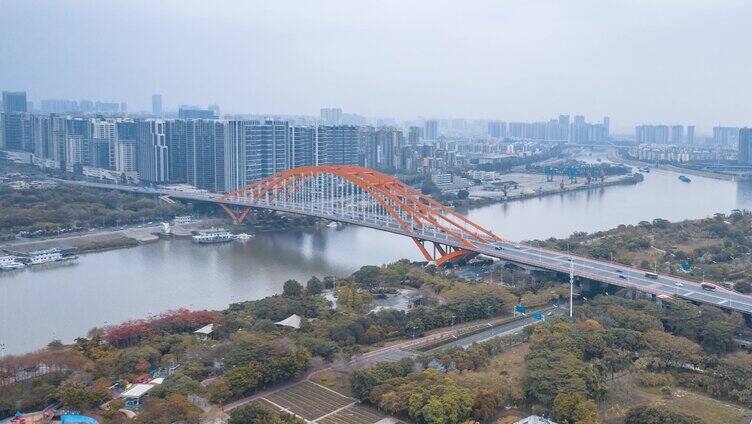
(571, 287)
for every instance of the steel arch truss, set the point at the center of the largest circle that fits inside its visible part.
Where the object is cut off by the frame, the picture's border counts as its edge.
(365, 197)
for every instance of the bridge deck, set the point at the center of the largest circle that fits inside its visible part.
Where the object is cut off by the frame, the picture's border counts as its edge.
(600, 271)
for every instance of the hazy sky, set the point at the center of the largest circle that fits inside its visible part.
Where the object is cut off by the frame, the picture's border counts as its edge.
(672, 61)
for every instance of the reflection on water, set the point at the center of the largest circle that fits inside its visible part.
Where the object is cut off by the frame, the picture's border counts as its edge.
(37, 306)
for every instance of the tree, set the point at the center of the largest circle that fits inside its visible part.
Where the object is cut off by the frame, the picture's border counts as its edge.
(743, 287)
(463, 194)
(574, 408)
(658, 415)
(292, 288)
(219, 392)
(245, 379)
(718, 337)
(314, 286)
(255, 414)
(175, 408)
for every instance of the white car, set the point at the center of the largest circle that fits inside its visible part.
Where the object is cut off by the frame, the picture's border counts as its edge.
(679, 284)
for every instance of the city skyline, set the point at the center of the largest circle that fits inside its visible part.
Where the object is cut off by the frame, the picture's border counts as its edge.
(528, 61)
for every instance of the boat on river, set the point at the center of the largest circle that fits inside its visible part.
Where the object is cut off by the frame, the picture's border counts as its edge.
(9, 263)
(684, 178)
(212, 236)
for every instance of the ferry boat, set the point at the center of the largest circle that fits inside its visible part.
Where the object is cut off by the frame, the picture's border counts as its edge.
(684, 178)
(39, 257)
(9, 263)
(244, 237)
(213, 235)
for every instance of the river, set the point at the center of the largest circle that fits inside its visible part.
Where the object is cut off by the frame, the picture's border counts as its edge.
(65, 301)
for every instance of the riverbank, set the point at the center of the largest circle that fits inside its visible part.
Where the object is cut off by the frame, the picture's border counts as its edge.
(485, 198)
(679, 169)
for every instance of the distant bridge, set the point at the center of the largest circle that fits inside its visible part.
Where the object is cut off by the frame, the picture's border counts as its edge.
(368, 198)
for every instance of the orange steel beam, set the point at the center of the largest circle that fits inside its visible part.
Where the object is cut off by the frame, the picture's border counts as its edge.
(455, 256)
(423, 249)
(393, 195)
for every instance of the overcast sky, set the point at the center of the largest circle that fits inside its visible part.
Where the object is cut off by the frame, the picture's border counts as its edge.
(651, 61)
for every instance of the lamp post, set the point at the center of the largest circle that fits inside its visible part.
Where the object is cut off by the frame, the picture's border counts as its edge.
(571, 287)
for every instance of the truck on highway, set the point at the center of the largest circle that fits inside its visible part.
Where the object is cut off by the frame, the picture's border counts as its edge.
(652, 275)
(707, 286)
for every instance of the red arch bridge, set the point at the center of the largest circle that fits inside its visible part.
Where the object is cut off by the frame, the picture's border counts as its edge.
(368, 198)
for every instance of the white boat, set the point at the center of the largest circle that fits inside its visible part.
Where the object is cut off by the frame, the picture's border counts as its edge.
(333, 224)
(9, 263)
(213, 235)
(45, 256)
(244, 237)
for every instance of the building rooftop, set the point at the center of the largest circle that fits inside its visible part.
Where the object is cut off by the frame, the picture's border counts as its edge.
(137, 390)
(206, 330)
(291, 321)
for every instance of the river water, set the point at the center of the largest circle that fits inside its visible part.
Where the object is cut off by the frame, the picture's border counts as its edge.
(65, 301)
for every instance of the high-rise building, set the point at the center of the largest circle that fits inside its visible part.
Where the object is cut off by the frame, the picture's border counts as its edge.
(652, 134)
(190, 112)
(214, 108)
(14, 101)
(564, 127)
(431, 129)
(266, 149)
(236, 160)
(302, 146)
(205, 141)
(79, 148)
(607, 126)
(17, 131)
(127, 146)
(726, 136)
(745, 146)
(677, 134)
(156, 105)
(690, 134)
(175, 137)
(104, 134)
(497, 129)
(153, 153)
(414, 135)
(517, 130)
(336, 145)
(331, 116)
(41, 133)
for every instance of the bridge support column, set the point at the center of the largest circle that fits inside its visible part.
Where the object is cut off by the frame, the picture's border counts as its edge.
(238, 216)
(443, 254)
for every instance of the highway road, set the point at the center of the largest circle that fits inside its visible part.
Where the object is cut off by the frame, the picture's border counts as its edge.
(499, 331)
(592, 269)
(617, 274)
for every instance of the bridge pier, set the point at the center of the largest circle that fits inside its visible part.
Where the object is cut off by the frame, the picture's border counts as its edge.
(443, 254)
(238, 215)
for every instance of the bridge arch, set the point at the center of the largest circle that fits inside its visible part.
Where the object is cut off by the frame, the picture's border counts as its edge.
(366, 197)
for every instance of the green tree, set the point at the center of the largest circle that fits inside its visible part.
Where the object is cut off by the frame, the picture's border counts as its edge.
(244, 380)
(175, 408)
(574, 408)
(658, 415)
(219, 391)
(292, 288)
(314, 286)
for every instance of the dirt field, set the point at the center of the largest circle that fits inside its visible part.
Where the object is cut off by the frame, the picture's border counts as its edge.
(626, 394)
(309, 400)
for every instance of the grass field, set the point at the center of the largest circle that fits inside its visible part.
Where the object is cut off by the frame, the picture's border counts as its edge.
(626, 394)
(337, 380)
(356, 414)
(308, 400)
